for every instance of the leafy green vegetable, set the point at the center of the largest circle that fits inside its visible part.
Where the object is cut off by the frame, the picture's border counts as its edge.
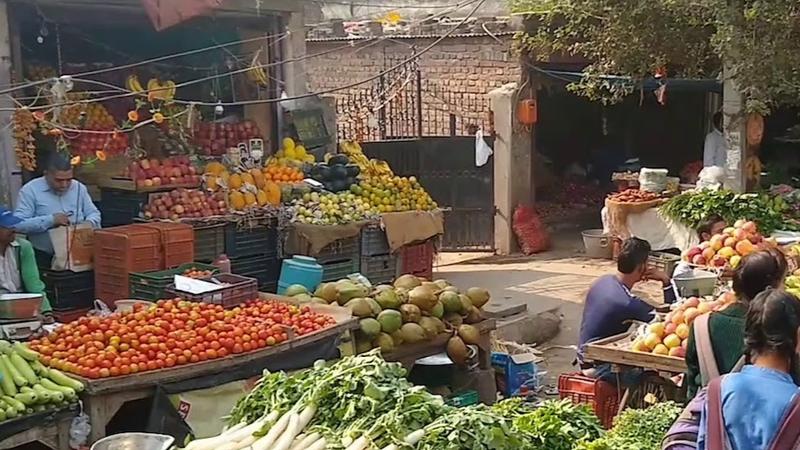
(559, 425)
(473, 428)
(637, 429)
(693, 207)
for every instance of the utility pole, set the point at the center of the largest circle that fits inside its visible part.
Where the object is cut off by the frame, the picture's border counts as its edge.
(733, 109)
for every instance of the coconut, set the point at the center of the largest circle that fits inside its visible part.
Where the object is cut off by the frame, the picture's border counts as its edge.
(397, 337)
(430, 326)
(387, 298)
(319, 301)
(363, 346)
(391, 320)
(453, 319)
(474, 315)
(302, 298)
(466, 304)
(457, 351)
(441, 284)
(451, 289)
(360, 307)
(376, 308)
(384, 342)
(469, 334)
(440, 326)
(478, 296)
(412, 333)
(348, 290)
(327, 291)
(423, 297)
(407, 282)
(294, 290)
(433, 287)
(451, 302)
(410, 313)
(402, 294)
(369, 327)
(438, 310)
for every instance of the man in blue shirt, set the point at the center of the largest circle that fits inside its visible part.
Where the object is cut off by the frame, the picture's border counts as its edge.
(610, 305)
(52, 201)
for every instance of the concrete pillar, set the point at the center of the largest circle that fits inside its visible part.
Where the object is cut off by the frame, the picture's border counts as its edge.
(735, 135)
(295, 47)
(513, 178)
(10, 179)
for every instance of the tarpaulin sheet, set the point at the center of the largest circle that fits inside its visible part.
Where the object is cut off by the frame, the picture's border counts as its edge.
(167, 13)
(410, 227)
(166, 419)
(308, 239)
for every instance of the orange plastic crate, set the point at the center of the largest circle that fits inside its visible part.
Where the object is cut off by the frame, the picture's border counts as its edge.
(119, 251)
(177, 242)
(604, 397)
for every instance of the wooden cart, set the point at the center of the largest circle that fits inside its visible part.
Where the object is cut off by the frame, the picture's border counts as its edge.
(50, 430)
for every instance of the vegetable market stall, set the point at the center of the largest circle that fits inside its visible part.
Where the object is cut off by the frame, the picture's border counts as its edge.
(50, 429)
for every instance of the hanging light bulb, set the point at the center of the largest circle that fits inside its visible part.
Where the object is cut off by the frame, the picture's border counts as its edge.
(43, 33)
(219, 109)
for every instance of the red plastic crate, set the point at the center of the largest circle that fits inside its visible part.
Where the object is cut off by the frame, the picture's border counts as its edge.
(177, 242)
(604, 397)
(416, 260)
(239, 289)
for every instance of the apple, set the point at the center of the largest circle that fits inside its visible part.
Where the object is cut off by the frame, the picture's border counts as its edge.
(699, 260)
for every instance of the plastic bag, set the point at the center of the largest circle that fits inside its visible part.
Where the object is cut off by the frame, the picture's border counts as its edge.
(711, 178)
(531, 233)
(79, 431)
(482, 150)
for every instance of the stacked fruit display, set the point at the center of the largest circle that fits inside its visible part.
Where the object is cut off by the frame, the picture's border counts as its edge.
(184, 204)
(336, 174)
(633, 196)
(670, 337)
(214, 139)
(173, 171)
(244, 189)
(28, 387)
(171, 333)
(729, 247)
(793, 280)
(331, 209)
(93, 117)
(394, 194)
(291, 154)
(409, 311)
(194, 272)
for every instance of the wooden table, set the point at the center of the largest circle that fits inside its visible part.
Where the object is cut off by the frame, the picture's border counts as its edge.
(104, 398)
(408, 354)
(53, 432)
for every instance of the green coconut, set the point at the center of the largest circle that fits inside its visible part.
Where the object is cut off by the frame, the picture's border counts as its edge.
(423, 297)
(412, 333)
(442, 284)
(388, 298)
(391, 320)
(430, 325)
(295, 289)
(397, 337)
(478, 296)
(457, 351)
(438, 310)
(363, 346)
(302, 298)
(319, 301)
(407, 282)
(374, 306)
(360, 307)
(474, 315)
(466, 304)
(348, 290)
(451, 302)
(410, 313)
(453, 319)
(369, 327)
(384, 342)
(469, 334)
(327, 291)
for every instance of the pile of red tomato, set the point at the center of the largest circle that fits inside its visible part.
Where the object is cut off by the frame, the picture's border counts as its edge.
(171, 333)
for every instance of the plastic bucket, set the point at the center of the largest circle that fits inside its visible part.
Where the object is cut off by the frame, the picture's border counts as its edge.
(598, 244)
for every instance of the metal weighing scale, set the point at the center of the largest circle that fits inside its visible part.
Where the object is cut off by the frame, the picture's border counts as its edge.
(19, 316)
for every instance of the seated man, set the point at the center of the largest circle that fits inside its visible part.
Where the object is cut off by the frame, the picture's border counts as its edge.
(52, 201)
(18, 270)
(610, 306)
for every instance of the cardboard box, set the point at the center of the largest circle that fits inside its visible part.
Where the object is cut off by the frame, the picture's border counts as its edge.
(512, 371)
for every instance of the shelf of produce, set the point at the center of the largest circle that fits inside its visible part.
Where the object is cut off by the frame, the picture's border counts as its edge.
(616, 350)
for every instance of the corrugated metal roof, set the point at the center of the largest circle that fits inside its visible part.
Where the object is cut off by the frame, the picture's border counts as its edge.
(410, 36)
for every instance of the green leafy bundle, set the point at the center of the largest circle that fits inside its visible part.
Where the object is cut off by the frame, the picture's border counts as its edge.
(637, 429)
(559, 425)
(693, 207)
(473, 428)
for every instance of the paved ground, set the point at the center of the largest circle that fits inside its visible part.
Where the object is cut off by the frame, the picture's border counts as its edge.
(557, 279)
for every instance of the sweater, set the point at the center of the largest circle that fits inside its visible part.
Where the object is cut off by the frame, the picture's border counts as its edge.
(726, 329)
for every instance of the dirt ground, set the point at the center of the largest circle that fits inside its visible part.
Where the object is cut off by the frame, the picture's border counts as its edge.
(557, 279)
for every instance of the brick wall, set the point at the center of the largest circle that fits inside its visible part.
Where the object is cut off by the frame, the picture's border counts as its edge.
(456, 77)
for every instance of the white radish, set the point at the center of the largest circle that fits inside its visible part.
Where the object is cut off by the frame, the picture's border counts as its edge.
(297, 440)
(359, 444)
(319, 445)
(292, 430)
(412, 438)
(265, 443)
(306, 441)
(229, 446)
(245, 443)
(234, 436)
(306, 416)
(390, 447)
(236, 427)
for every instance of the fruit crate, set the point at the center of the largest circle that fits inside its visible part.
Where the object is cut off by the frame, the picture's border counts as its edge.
(67, 289)
(119, 207)
(261, 239)
(209, 241)
(153, 285)
(264, 268)
(69, 315)
(374, 242)
(340, 251)
(663, 261)
(177, 242)
(416, 260)
(338, 270)
(238, 290)
(604, 397)
(380, 268)
(119, 251)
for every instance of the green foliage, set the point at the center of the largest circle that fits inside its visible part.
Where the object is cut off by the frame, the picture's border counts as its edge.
(688, 38)
(559, 425)
(637, 429)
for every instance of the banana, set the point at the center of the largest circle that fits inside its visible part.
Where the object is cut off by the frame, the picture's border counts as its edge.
(133, 84)
(256, 73)
(170, 92)
(753, 168)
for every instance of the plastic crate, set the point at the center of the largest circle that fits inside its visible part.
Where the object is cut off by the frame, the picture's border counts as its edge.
(261, 239)
(177, 241)
(209, 241)
(120, 207)
(379, 269)
(152, 285)
(67, 289)
(69, 315)
(663, 261)
(119, 251)
(604, 397)
(339, 251)
(239, 290)
(338, 270)
(416, 260)
(374, 242)
(264, 268)
(463, 399)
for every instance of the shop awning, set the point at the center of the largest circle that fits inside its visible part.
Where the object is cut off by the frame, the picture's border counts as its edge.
(166, 14)
(673, 84)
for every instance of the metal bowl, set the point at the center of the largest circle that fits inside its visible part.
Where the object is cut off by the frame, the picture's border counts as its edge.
(134, 441)
(20, 306)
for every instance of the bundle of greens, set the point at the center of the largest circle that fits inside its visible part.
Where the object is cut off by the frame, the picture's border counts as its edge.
(637, 429)
(559, 425)
(473, 428)
(693, 207)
